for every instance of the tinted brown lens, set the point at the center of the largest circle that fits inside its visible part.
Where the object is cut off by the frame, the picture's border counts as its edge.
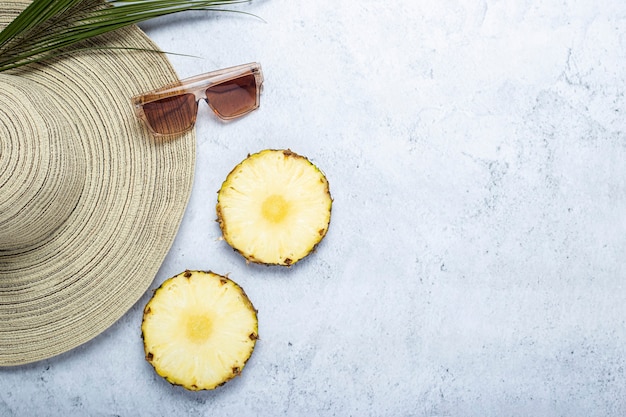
(172, 114)
(234, 97)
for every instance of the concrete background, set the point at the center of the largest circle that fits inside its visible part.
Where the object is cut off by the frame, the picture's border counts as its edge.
(475, 263)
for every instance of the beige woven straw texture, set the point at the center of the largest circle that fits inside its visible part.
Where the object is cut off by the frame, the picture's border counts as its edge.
(90, 202)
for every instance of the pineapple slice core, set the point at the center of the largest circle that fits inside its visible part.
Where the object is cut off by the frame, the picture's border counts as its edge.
(274, 207)
(199, 329)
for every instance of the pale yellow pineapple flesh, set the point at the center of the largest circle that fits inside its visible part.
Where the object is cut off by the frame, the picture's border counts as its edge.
(199, 330)
(274, 207)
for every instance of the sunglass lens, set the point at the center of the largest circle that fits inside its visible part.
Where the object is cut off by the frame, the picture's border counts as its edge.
(171, 115)
(234, 97)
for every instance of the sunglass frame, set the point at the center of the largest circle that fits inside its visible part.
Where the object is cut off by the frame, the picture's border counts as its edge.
(197, 85)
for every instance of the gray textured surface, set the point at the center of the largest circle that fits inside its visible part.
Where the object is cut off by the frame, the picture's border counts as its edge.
(477, 251)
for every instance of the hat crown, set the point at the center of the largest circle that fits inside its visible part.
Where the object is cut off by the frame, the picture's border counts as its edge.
(42, 165)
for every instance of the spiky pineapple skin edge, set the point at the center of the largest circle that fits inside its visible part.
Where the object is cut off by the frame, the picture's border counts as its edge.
(254, 336)
(288, 153)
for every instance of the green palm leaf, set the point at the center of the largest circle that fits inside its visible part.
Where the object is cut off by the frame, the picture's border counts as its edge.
(47, 27)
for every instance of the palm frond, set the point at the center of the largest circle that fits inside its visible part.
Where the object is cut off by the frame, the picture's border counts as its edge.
(46, 28)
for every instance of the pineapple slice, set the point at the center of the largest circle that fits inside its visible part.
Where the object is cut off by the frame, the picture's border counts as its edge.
(274, 207)
(199, 329)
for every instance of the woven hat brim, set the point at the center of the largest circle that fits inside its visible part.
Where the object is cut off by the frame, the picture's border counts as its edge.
(74, 285)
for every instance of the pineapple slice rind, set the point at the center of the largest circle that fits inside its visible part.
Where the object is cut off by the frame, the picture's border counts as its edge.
(199, 330)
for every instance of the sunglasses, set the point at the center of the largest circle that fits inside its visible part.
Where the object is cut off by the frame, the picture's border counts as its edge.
(230, 92)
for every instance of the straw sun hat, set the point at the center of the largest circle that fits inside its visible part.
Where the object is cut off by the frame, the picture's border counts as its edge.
(90, 202)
